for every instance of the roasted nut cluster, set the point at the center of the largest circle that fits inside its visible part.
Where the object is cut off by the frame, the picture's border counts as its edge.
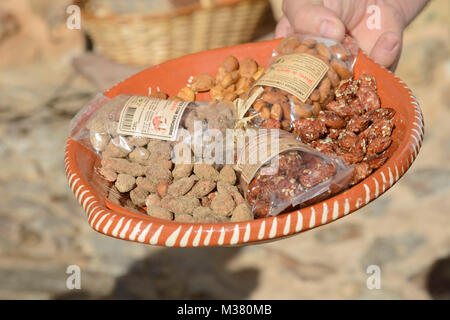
(298, 172)
(141, 170)
(354, 127)
(233, 80)
(180, 192)
(278, 108)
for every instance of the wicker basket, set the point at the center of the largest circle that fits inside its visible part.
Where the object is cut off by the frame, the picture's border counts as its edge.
(143, 39)
(277, 9)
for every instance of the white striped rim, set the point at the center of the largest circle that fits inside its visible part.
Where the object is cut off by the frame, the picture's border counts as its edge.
(235, 236)
(324, 213)
(262, 230)
(172, 239)
(299, 225)
(155, 238)
(97, 226)
(247, 233)
(287, 225)
(144, 233)
(221, 236)
(185, 238)
(312, 219)
(335, 210)
(273, 229)
(208, 236)
(125, 229)
(136, 231)
(197, 237)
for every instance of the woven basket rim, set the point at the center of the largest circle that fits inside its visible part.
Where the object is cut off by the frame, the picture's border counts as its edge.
(183, 11)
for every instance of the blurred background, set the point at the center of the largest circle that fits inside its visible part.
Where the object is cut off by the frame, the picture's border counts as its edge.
(48, 72)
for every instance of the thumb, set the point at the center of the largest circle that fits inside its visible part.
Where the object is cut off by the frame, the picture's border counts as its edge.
(387, 49)
(283, 28)
(307, 18)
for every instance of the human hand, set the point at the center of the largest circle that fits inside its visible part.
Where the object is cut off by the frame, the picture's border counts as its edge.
(376, 25)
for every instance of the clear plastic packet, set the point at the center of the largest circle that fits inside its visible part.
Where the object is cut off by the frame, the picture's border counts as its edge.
(145, 143)
(115, 127)
(293, 175)
(300, 81)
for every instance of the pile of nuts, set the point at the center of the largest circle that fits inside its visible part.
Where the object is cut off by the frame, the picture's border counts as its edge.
(354, 127)
(180, 192)
(343, 118)
(145, 172)
(233, 80)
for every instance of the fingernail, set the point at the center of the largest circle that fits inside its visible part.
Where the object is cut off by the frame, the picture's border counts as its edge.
(328, 29)
(390, 42)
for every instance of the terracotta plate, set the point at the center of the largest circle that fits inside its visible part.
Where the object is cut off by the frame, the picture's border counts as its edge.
(170, 76)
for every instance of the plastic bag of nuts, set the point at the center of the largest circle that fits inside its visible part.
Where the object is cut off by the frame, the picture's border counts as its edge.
(291, 177)
(137, 142)
(300, 81)
(116, 127)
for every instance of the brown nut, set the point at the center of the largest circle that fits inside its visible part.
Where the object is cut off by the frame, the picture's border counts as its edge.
(339, 52)
(108, 173)
(265, 113)
(341, 69)
(186, 94)
(286, 106)
(315, 109)
(162, 188)
(230, 63)
(301, 49)
(230, 96)
(276, 112)
(125, 182)
(203, 82)
(324, 89)
(229, 79)
(174, 98)
(217, 92)
(310, 43)
(153, 200)
(334, 77)
(227, 175)
(244, 84)
(323, 51)
(231, 88)
(158, 94)
(221, 72)
(259, 105)
(248, 67)
(273, 97)
(286, 125)
(202, 188)
(315, 95)
(288, 45)
(181, 186)
(159, 213)
(301, 111)
(241, 213)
